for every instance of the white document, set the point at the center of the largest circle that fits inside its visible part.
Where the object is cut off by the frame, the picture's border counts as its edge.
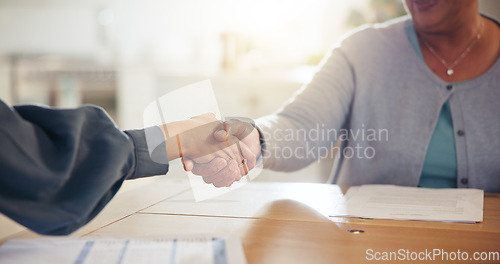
(412, 203)
(187, 250)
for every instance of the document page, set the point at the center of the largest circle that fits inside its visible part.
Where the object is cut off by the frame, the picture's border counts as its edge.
(203, 250)
(412, 203)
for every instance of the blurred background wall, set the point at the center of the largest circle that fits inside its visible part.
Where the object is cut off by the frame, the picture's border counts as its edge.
(122, 54)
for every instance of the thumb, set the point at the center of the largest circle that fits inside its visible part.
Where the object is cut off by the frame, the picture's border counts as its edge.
(221, 135)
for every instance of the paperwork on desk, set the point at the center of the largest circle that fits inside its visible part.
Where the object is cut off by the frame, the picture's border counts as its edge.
(412, 203)
(187, 250)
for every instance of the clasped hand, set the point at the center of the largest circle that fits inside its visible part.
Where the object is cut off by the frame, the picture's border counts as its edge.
(220, 152)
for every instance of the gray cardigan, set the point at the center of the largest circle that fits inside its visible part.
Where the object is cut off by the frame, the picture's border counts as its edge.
(375, 89)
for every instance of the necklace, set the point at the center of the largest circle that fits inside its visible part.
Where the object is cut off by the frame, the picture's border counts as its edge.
(449, 67)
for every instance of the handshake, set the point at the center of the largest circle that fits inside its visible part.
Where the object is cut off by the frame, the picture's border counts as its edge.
(220, 152)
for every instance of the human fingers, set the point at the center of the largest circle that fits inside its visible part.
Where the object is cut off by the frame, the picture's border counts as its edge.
(244, 131)
(224, 177)
(187, 163)
(239, 152)
(248, 155)
(217, 152)
(233, 127)
(210, 168)
(242, 162)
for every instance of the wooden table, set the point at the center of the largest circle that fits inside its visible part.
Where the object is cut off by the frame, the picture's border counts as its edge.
(282, 223)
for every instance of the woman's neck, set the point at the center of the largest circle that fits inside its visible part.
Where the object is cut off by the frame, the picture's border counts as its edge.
(461, 54)
(453, 38)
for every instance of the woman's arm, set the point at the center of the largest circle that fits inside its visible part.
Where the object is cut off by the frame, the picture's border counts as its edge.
(306, 127)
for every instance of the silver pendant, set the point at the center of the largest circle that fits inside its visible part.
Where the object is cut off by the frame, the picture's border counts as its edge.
(449, 72)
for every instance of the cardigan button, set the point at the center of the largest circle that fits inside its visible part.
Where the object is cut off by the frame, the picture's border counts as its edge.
(460, 133)
(449, 87)
(464, 180)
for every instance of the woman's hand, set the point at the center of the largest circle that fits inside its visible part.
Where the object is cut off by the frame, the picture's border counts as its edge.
(239, 134)
(194, 141)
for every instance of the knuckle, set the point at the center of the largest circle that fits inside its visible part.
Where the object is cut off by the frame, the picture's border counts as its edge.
(218, 184)
(207, 180)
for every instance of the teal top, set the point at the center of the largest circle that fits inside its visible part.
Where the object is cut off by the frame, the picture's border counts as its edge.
(440, 165)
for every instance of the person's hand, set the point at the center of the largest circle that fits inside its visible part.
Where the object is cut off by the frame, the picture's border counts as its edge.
(246, 138)
(194, 140)
(244, 133)
(201, 152)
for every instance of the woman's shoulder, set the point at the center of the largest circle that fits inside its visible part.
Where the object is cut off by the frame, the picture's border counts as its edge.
(372, 41)
(391, 31)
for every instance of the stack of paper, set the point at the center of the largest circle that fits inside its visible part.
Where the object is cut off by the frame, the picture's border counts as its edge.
(204, 250)
(412, 203)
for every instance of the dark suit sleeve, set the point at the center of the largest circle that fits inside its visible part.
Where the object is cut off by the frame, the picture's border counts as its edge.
(60, 167)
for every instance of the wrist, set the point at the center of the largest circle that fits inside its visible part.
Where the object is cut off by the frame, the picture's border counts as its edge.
(176, 141)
